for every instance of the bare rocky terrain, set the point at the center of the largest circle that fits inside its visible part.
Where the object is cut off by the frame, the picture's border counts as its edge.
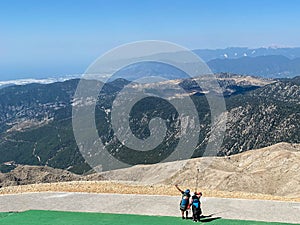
(268, 173)
(23, 175)
(273, 170)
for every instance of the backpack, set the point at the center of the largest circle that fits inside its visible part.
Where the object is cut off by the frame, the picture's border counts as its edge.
(196, 202)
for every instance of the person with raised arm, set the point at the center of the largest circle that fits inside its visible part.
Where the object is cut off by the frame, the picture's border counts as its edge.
(184, 202)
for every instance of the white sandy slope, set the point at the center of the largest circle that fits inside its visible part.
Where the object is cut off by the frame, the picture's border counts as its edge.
(273, 170)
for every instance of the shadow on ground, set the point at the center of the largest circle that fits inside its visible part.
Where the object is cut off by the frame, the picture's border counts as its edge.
(206, 219)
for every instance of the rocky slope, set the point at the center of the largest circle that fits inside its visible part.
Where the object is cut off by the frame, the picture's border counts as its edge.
(273, 170)
(23, 175)
(263, 117)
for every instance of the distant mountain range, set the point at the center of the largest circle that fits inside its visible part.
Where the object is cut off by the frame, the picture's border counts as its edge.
(239, 52)
(36, 119)
(269, 66)
(270, 62)
(272, 66)
(262, 62)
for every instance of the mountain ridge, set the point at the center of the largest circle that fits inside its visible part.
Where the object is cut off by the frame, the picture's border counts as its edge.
(36, 126)
(238, 52)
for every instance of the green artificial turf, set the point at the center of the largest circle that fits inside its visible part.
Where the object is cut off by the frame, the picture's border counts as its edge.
(37, 217)
(4, 214)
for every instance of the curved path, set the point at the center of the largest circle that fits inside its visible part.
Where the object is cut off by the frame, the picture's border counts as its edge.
(259, 210)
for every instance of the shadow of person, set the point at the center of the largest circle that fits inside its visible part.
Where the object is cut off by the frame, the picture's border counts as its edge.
(209, 219)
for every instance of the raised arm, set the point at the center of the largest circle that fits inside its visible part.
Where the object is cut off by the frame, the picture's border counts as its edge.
(176, 185)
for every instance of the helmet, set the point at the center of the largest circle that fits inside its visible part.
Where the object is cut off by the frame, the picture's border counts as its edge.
(187, 191)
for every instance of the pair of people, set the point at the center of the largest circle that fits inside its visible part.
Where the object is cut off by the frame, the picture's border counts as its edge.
(187, 201)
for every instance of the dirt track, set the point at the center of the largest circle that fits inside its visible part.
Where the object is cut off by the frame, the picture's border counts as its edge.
(130, 188)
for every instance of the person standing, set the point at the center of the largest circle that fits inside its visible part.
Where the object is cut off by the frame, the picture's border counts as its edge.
(196, 206)
(184, 202)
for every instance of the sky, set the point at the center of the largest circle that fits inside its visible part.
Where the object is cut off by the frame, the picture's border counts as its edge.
(41, 39)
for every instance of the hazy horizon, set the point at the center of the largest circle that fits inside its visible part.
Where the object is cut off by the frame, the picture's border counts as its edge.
(51, 39)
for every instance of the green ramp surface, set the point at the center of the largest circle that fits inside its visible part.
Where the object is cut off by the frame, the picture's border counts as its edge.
(39, 217)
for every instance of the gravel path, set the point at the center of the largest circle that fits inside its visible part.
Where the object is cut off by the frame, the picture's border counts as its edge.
(259, 210)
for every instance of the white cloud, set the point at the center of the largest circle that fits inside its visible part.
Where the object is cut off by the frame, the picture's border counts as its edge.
(39, 81)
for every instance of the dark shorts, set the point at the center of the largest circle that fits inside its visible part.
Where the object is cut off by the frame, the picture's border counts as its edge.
(196, 211)
(183, 207)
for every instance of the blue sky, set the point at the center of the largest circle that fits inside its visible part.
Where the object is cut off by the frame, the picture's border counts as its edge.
(54, 38)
